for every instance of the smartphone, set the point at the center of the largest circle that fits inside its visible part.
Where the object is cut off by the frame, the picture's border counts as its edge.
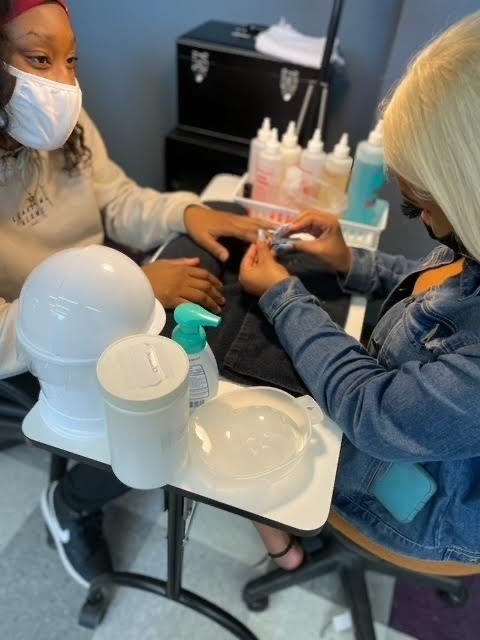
(404, 489)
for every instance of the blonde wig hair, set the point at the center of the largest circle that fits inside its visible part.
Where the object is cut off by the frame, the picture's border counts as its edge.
(432, 127)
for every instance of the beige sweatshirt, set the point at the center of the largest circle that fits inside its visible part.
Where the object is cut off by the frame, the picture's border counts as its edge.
(44, 210)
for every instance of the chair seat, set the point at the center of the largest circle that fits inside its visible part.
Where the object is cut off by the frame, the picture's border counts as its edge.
(338, 523)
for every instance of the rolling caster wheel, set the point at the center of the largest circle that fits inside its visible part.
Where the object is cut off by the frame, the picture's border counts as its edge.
(258, 605)
(456, 599)
(93, 610)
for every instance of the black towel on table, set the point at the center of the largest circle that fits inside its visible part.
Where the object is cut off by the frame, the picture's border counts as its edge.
(245, 345)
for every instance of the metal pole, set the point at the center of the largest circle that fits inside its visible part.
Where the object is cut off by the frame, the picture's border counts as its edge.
(323, 76)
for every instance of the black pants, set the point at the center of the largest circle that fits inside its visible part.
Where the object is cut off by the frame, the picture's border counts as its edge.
(84, 487)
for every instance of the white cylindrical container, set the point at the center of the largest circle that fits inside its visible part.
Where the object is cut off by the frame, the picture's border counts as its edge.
(269, 171)
(145, 387)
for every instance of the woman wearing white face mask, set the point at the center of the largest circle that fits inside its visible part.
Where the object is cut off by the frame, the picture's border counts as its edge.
(58, 189)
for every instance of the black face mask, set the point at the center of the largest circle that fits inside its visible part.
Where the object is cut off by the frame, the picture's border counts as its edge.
(451, 240)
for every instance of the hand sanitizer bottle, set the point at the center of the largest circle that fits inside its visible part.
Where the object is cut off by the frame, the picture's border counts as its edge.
(256, 145)
(190, 334)
(368, 176)
(291, 150)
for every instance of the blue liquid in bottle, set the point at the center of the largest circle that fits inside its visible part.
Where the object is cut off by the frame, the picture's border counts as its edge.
(365, 183)
(368, 176)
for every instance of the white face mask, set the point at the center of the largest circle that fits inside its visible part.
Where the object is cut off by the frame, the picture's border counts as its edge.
(42, 113)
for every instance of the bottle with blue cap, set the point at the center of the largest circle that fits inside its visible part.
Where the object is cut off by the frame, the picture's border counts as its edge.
(190, 334)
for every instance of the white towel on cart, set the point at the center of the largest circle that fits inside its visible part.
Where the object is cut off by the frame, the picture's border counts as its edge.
(283, 41)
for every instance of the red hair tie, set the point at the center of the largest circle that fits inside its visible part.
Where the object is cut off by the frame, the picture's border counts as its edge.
(20, 6)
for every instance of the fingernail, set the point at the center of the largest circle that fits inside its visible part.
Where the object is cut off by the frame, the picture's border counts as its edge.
(261, 235)
(222, 256)
(222, 300)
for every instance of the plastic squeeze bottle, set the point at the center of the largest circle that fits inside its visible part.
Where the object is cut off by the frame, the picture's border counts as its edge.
(269, 170)
(312, 161)
(291, 150)
(338, 164)
(368, 176)
(334, 177)
(256, 145)
(190, 334)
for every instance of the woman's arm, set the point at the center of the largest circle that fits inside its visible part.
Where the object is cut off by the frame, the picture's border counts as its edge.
(374, 274)
(416, 413)
(135, 216)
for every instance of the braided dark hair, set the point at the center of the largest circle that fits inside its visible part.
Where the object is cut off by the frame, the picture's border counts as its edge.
(75, 152)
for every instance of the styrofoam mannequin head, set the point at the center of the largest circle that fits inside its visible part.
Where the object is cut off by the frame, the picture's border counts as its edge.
(72, 306)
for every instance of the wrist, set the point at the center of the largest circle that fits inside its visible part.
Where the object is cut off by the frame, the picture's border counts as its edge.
(276, 281)
(344, 266)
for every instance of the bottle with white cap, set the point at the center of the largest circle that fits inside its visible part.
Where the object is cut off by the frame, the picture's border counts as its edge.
(256, 145)
(291, 150)
(338, 164)
(312, 161)
(368, 176)
(269, 170)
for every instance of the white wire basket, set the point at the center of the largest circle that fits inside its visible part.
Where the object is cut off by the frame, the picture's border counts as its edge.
(356, 234)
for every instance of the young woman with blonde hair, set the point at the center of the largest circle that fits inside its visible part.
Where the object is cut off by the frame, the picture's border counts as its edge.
(409, 471)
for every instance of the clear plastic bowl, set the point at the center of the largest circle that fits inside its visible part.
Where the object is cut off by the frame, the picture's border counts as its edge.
(249, 434)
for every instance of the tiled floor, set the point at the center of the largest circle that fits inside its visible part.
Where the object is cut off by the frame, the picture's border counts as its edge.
(38, 601)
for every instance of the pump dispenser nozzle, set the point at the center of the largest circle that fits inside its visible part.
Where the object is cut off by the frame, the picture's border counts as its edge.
(189, 332)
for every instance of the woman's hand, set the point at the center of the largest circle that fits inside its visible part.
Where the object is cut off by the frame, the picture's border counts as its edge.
(181, 280)
(205, 226)
(328, 245)
(259, 270)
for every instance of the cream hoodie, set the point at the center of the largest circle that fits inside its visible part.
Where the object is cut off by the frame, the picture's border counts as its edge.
(44, 210)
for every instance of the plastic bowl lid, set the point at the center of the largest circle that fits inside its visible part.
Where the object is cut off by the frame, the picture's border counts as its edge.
(249, 433)
(143, 373)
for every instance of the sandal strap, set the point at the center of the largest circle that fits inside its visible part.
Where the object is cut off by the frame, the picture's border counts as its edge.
(285, 551)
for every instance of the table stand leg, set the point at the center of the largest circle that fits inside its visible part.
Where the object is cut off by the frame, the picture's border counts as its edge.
(96, 604)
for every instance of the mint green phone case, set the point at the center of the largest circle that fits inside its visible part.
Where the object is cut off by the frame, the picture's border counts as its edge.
(404, 489)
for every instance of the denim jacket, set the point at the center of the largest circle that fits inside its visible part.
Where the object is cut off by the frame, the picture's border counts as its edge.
(412, 396)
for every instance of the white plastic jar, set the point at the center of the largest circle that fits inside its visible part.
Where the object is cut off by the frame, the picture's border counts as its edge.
(144, 382)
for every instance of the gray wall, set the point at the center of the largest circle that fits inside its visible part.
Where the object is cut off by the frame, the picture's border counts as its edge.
(127, 63)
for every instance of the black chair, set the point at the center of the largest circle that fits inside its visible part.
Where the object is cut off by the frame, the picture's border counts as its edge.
(17, 397)
(337, 549)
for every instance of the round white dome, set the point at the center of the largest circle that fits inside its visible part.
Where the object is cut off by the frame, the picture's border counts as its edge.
(78, 301)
